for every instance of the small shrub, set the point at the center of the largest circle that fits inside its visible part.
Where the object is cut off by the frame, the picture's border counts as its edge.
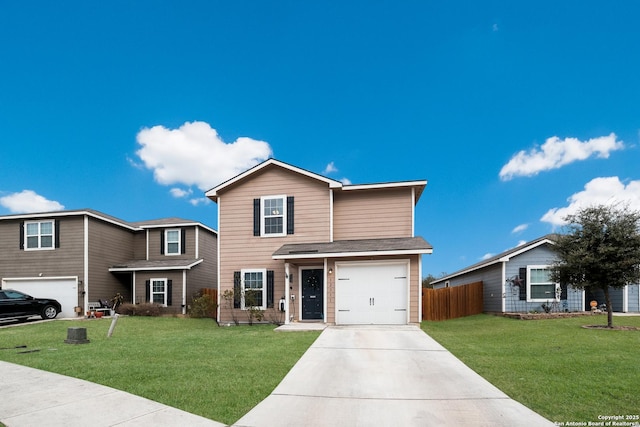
(203, 306)
(144, 309)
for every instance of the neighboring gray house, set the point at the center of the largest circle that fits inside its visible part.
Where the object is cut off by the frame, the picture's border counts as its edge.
(83, 256)
(518, 280)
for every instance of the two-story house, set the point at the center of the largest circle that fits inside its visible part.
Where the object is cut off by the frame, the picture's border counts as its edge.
(317, 249)
(83, 256)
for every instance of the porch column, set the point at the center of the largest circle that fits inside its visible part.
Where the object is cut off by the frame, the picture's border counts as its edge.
(287, 297)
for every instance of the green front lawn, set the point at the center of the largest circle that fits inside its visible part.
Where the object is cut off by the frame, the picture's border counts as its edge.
(192, 364)
(555, 367)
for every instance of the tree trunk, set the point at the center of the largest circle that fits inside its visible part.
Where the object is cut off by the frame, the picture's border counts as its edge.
(607, 300)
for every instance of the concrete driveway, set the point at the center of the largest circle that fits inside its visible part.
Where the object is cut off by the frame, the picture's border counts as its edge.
(385, 375)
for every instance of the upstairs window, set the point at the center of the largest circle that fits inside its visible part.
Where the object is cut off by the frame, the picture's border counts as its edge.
(172, 242)
(39, 235)
(273, 215)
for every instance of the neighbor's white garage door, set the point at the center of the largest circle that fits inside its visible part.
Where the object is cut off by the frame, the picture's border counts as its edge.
(65, 290)
(371, 293)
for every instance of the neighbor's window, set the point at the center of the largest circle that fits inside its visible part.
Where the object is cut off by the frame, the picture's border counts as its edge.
(159, 291)
(172, 242)
(254, 288)
(39, 235)
(273, 215)
(541, 288)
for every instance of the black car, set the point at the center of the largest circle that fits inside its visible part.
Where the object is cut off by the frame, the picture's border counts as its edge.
(18, 305)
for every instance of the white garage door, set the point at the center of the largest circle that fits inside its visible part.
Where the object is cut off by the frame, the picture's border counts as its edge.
(65, 290)
(368, 293)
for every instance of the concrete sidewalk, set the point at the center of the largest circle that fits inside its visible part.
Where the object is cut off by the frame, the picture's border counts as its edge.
(385, 376)
(30, 397)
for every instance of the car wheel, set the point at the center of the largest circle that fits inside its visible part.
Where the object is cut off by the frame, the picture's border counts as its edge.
(49, 312)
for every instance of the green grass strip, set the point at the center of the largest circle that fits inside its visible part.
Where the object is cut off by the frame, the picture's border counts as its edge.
(191, 364)
(555, 367)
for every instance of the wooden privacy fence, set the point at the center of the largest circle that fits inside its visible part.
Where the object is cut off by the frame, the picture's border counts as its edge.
(452, 302)
(210, 291)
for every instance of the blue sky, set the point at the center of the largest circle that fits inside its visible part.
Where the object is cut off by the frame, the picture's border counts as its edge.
(516, 113)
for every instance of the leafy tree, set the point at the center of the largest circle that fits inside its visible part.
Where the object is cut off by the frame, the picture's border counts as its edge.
(601, 250)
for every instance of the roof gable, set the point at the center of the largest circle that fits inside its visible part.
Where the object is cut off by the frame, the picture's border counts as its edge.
(215, 192)
(502, 257)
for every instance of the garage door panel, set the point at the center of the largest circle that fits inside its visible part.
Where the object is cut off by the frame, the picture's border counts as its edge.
(63, 290)
(371, 293)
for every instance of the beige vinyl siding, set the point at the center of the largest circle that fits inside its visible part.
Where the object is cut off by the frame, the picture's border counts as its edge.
(240, 249)
(63, 261)
(108, 246)
(373, 214)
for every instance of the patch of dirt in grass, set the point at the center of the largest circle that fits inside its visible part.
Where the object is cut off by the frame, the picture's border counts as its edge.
(613, 328)
(540, 316)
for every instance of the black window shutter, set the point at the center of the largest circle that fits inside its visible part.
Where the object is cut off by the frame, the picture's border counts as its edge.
(522, 273)
(237, 291)
(183, 242)
(169, 291)
(57, 233)
(21, 235)
(162, 241)
(270, 288)
(563, 291)
(290, 215)
(256, 217)
(147, 287)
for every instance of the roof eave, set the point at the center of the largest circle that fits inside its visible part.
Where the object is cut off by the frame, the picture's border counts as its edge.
(352, 254)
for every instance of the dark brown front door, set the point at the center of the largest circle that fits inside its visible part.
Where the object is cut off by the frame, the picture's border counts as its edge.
(312, 294)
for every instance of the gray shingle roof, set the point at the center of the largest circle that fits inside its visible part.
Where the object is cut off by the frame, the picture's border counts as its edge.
(402, 245)
(172, 264)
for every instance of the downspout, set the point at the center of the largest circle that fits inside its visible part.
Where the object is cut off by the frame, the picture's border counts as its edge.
(85, 266)
(625, 299)
(325, 281)
(184, 291)
(133, 294)
(419, 288)
(331, 215)
(218, 261)
(504, 289)
(286, 293)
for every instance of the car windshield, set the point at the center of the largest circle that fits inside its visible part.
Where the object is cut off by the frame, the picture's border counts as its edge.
(14, 295)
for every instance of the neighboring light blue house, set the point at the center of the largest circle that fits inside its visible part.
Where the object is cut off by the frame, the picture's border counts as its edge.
(518, 280)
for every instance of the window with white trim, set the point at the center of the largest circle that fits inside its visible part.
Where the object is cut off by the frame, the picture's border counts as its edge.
(39, 235)
(254, 289)
(274, 215)
(159, 291)
(540, 287)
(172, 241)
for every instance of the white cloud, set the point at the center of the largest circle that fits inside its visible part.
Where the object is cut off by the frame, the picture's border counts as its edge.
(331, 168)
(194, 154)
(179, 193)
(345, 181)
(487, 256)
(199, 201)
(27, 201)
(520, 228)
(556, 152)
(520, 243)
(605, 190)
(495, 28)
